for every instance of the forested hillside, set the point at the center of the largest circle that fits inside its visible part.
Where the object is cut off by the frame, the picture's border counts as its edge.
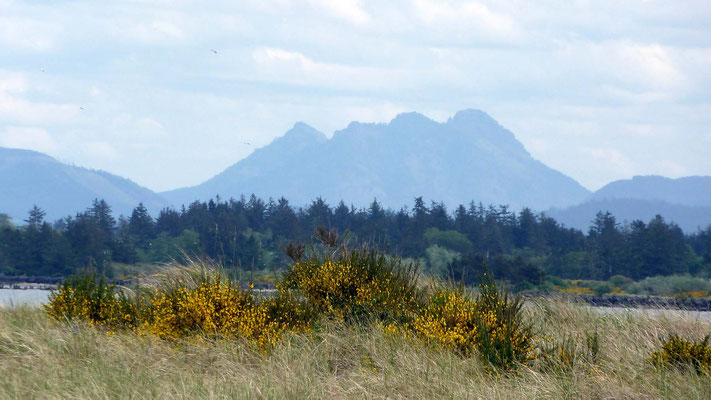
(251, 234)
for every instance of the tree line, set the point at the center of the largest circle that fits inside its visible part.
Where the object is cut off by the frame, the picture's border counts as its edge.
(250, 234)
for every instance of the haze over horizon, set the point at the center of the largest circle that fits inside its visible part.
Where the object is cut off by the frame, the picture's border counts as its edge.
(170, 94)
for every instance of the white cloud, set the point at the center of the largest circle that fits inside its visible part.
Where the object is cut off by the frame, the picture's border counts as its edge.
(466, 19)
(15, 108)
(27, 34)
(349, 10)
(150, 128)
(615, 159)
(20, 137)
(18, 110)
(100, 151)
(12, 83)
(652, 64)
(155, 32)
(628, 70)
(673, 169)
(374, 112)
(280, 65)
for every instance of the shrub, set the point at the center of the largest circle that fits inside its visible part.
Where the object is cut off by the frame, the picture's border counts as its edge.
(452, 240)
(620, 281)
(562, 355)
(469, 268)
(288, 312)
(213, 308)
(89, 298)
(506, 338)
(491, 325)
(568, 353)
(695, 293)
(356, 284)
(601, 288)
(185, 302)
(684, 354)
(523, 287)
(220, 309)
(556, 282)
(618, 290)
(578, 290)
(439, 258)
(670, 285)
(450, 319)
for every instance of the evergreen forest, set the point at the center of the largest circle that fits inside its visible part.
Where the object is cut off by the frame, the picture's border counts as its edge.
(251, 234)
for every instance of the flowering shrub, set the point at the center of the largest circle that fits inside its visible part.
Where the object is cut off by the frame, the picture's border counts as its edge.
(505, 338)
(578, 290)
(213, 307)
(693, 293)
(219, 308)
(359, 283)
(618, 290)
(90, 299)
(490, 325)
(680, 353)
(451, 320)
(355, 287)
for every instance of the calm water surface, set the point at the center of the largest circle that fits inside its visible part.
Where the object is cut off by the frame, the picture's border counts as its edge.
(20, 297)
(36, 297)
(653, 312)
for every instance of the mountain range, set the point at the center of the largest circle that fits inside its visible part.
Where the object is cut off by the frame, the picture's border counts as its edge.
(30, 178)
(470, 157)
(686, 201)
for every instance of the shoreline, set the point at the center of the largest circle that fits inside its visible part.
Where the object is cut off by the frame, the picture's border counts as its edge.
(27, 286)
(23, 282)
(608, 301)
(632, 301)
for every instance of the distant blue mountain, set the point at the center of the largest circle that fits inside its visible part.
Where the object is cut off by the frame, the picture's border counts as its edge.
(685, 201)
(689, 218)
(28, 177)
(469, 157)
(688, 191)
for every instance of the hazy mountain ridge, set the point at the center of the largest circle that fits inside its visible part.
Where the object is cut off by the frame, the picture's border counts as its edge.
(686, 201)
(689, 190)
(469, 157)
(28, 177)
(276, 156)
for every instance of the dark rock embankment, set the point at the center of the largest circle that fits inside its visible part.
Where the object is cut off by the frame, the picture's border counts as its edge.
(685, 303)
(29, 282)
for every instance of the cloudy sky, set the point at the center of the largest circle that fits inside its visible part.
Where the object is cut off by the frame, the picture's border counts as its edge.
(600, 90)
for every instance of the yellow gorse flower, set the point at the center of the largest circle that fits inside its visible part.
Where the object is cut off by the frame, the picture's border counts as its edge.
(358, 285)
(93, 301)
(215, 308)
(344, 289)
(220, 309)
(481, 325)
(678, 352)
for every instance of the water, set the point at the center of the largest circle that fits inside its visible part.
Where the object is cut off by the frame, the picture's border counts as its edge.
(20, 297)
(37, 297)
(654, 312)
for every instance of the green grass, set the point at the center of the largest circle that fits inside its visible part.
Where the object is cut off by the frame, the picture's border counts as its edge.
(43, 359)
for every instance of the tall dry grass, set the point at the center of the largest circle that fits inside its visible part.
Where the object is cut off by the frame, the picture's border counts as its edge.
(40, 358)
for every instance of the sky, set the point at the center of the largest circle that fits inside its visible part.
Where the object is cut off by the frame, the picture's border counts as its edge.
(170, 93)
